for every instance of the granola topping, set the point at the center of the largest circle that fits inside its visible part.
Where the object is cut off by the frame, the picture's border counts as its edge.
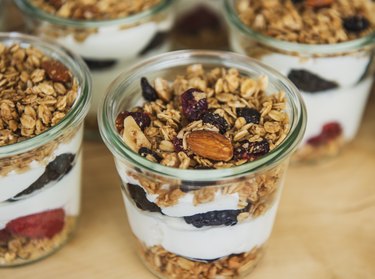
(310, 21)
(93, 9)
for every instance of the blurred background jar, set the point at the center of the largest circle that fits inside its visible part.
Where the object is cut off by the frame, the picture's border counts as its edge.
(335, 79)
(109, 38)
(11, 19)
(199, 25)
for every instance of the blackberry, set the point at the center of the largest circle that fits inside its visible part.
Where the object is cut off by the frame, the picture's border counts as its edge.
(148, 92)
(194, 105)
(140, 199)
(213, 218)
(55, 170)
(251, 115)
(309, 82)
(144, 151)
(97, 65)
(356, 24)
(216, 120)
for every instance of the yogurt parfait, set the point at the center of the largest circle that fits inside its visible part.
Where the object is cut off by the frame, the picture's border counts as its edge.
(108, 34)
(326, 48)
(201, 142)
(44, 96)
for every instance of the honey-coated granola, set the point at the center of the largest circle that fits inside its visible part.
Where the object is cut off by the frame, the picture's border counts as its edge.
(36, 92)
(170, 265)
(309, 21)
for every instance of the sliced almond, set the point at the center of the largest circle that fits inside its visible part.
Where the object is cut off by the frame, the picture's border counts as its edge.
(210, 145)
(133, 135)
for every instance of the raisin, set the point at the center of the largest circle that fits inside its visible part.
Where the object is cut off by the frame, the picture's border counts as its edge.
(144, 151)
(356, 23)
(148, 92)
(194, 104)
(309, 82)
(139, 196)
(251, 115)
(216, 120)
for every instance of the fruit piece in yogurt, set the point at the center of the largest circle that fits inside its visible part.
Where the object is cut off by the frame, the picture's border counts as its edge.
(309, 82)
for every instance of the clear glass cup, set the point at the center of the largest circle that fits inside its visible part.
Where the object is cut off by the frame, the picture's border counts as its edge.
(169, 246)
(40, 177)
(335, 108)
(107, 46)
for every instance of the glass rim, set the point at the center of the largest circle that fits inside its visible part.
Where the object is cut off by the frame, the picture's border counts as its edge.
(81, 105)
(120, 150)
(28, 8)
(312, 49)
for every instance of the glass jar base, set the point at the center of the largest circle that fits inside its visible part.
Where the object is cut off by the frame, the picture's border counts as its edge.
(167, 265)
(19, 250)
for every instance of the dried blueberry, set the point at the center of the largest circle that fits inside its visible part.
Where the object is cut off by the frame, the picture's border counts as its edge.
(309, 82)
(144, 151)
(140, 199)
(99, 64)
(251, 115)
(356, 23)
(213, 218)
(216, 120)
(148, 92)
(55, 170)
(194, 104)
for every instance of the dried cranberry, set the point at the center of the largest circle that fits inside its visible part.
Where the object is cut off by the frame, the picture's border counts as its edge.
(177, 143)
(251, 150)
(142, 119)
(356, 23)
(194, 104)
(144, 151)
(216, 120)
(329, 132)
(251, 115)
(148, 92)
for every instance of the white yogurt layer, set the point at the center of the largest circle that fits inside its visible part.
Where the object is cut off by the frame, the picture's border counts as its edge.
(64, 193)
(178, 237)
(114, 42)
(342, 105)
(14, 183)
(185, 205)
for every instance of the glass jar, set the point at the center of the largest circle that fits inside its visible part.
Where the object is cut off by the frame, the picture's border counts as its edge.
(40, 177)
(107, 46)
(168, 244)
(335, 81)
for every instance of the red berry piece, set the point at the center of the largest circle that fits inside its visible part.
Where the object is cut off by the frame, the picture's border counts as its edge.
(177, 143)
(39, 225)
(332, 130)
(148, 92)
(142, 119)
(194, 104)
(4, 237)
(251, 150)
(251, 115)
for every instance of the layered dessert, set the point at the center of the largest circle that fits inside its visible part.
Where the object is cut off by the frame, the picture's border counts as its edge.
(199, 25)
(109, 35)
(203, 120)
(39, 186)
(325, 49)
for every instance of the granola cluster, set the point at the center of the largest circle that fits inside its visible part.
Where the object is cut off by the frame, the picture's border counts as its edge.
(94, 9)
(206, 119)
(173, 266)
(19, 249)
(36, 92)
(309, 21)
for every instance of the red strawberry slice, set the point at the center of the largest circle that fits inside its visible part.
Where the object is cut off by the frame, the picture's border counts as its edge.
(44, 224)
(4, 237)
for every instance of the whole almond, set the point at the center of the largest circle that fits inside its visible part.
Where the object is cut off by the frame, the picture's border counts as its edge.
(319, 3)
(210, 145)
(56, 71)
